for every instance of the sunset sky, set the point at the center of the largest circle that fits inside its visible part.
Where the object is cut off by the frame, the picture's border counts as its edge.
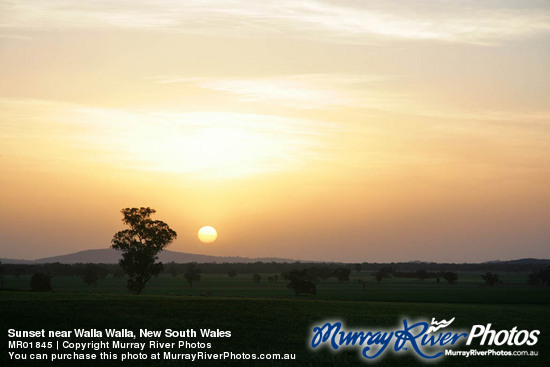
(321, 130)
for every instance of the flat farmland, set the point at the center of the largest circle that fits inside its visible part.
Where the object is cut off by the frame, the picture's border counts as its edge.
(469, 289)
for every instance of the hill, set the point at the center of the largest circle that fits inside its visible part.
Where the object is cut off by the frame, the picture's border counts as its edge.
(110, 256)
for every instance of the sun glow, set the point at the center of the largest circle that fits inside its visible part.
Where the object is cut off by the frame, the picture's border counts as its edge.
(208, 234)
(205, 144)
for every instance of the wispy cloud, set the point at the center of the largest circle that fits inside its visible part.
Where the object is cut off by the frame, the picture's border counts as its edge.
(360, 91)
(332, 21)
(198, 144)
(304, 91)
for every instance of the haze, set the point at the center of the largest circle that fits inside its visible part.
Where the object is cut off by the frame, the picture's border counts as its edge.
(319, 130)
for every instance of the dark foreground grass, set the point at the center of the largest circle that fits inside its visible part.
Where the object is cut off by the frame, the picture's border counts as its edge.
(263, 325)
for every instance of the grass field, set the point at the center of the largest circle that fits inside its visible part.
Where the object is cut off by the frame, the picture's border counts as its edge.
(265, 317)
(469, 289)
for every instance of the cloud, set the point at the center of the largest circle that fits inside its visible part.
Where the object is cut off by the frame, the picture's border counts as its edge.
(358, 91)
(304, 91)
(197, 144)
(478, 22)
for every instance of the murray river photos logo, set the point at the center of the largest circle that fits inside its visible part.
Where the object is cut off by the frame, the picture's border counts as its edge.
(428, 341)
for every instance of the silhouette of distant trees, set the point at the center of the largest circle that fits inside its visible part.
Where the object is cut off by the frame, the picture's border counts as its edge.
(342, 274)
(540, 277)
(192, 274)
(422, 274)
(299, 282)
(41, 282)
(173, 269)
(140, 245)
(321, 271)
(450, 277)
(383, 273)
(90, 275)
(490, 279)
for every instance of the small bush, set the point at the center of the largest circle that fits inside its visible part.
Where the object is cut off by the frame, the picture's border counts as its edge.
(41, 282)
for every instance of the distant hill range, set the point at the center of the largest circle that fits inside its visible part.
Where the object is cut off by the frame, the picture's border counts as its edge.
(110, 256)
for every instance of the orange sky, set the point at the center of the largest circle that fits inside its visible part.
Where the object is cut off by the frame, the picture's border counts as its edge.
(317, 130)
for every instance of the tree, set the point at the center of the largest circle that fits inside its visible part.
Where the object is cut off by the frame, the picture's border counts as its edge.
(90, 275)
(450, 277)
(41, 282)
(173, 269)
(140, 245)
(192, 274)
(232, 273)
(299, 283)
(383, 273)
(357, 267)
(302, 286)
(422, 274)
(257, 277)
(491, 279)
(539, 277)
(342, 274)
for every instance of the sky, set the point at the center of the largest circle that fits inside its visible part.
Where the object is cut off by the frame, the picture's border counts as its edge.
(353, 131)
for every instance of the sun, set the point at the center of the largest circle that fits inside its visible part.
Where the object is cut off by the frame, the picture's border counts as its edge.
(208, 234)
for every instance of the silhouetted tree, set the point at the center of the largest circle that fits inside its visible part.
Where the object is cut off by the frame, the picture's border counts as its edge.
(302, 286)
(299, 283)
(192, 274)
(41, 282)
(383, 273)
(363, 283)
(450, 277)
(173, 269)
(257, 277)
(491, 279)
(422, 274)
(342, 274)
(140, 245)
(540, 277)
(273, 278)
(357, 267)
(90, 275)
(232, 273)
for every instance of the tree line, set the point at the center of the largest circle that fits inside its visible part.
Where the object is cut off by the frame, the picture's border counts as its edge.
(60, 269)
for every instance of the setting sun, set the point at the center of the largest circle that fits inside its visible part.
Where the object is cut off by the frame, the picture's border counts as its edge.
(208, 234)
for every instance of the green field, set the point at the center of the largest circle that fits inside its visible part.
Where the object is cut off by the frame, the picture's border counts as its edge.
(266, 318)
(469, 289)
